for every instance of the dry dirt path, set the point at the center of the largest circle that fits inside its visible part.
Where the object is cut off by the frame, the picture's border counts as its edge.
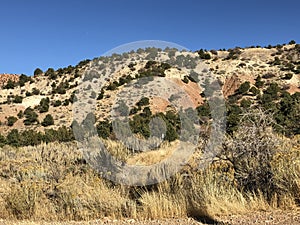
(258, 218)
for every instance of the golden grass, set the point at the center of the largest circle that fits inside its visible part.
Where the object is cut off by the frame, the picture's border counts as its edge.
(53, 183)
(154, 156)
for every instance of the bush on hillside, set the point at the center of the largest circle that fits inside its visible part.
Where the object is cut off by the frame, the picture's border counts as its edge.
(37, 72)
(250, 151)
(30, 116)
(18, 99)
(10, 84)
(48, 121)
(44, 105)
(11, 120)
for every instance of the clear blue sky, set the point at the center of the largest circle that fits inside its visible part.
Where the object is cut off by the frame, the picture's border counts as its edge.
(38, 33)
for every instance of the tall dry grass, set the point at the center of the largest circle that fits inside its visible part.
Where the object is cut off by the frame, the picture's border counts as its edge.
(53, 182)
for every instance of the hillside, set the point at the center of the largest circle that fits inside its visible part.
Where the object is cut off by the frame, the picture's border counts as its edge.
(165, 153)
(52, 92)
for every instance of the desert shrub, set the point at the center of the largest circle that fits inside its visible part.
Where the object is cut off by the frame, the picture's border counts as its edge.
(150, 63)
(30, 137)
(104, 129)
(24, 79)
(83, 63)
(57, 103)
(233, 118)
(20, 114)
(44, 105)
(28, 93)
(146, 112)
(61, 89)
(258, 82)
(10, 84)
(292, 42)
(131, 66)
(51, 74)
(268, 75)
(30, 116)
(122, 81)
(287, 114)
(66, 102)
(18, 99)
(288, 76)
(185, 79)
(13, 138)
(112, 86)
(203, 55)
(50, 135)
(73, 97)
(251, 150)
(48, 121)
(297, 70)
(37, 72)
(276, 61)
(133, 111)
(288, 67)
(153, 68)
(100, 95)
(243, 89)
(204, 110)
(62, 134)
(65, 134)
(21, 200)
(272, 90)
(9, 99)
(245, 103)
(242, 65)
(171, 133)
(143, 102)
(139, 125)
(233, 53)
(35, 91)
(254, 90)
(2, 141)
(11, 120)
(214, 52)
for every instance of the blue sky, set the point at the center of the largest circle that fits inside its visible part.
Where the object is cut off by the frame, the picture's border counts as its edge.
(60, 33)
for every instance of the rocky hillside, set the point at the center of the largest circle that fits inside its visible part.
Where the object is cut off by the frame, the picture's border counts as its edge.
(248, 77)
(4, 78)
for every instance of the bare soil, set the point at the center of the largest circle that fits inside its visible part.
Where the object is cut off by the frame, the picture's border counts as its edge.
(257, 218)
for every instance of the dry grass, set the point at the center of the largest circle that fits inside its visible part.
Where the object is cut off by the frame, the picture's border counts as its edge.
(52, 182)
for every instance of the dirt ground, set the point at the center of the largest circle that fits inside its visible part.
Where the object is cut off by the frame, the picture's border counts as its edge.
(259, 218)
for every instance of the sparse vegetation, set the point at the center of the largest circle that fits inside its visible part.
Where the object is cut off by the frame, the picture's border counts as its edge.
(10, 84)
(44, 176)
(203, 55)
(206, 193)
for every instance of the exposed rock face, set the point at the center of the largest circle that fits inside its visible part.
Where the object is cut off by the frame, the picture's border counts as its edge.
(4, 78)
(230, 85)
